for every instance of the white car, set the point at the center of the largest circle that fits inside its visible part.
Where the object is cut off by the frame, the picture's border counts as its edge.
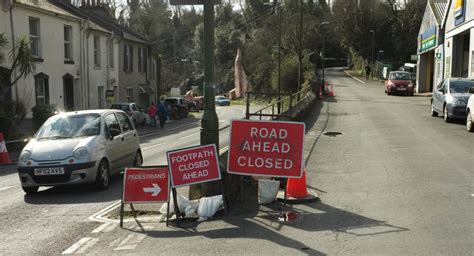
(79, 148)
(470, 112)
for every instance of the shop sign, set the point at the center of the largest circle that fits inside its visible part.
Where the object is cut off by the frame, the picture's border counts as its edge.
(427, 40)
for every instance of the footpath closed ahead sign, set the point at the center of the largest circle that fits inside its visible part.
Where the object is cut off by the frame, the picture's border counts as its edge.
(193, 165)
(266, 148)
(145, 185)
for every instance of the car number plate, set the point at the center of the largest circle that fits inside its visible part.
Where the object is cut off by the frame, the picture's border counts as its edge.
(49, 171)
(401, 89)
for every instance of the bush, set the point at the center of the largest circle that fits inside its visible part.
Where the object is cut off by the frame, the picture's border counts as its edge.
(41, 113)
(9, 112)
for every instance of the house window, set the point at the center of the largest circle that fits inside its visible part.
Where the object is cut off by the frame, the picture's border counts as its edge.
(101, 97)
(42, 89)
(35, 37)
(144, 59)
(96, 51)
(129, 95)
(128, 57)
(67, 43)
(111, 53)
(140, 56)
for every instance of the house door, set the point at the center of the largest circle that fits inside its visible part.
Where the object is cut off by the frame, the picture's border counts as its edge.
(68, 84)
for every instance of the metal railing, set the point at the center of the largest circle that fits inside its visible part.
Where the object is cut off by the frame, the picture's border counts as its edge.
(276, 108)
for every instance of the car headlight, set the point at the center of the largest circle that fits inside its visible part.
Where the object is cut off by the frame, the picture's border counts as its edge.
(460, 103)
(80, 153)
(24, 157)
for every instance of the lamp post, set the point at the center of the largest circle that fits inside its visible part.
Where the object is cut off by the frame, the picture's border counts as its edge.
(300, 39)
(322, 52)
(373, 43)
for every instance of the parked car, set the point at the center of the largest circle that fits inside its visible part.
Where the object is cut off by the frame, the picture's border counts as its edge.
(399, 82)
(222, 101)
(178, 106)
(470, 112)
(79, 148)
(133, 110)
(450, 98)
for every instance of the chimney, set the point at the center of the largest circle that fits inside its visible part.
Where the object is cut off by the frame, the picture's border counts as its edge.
(96, 7)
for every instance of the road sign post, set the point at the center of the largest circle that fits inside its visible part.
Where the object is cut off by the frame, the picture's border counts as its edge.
(210, 121)
(194, 165)
(145, 185)
(266, 148)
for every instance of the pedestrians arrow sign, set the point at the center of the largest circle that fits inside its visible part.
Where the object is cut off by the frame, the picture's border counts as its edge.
(144, 185)
(155, 189)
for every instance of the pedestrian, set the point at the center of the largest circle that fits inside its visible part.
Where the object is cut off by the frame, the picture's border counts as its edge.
(367, 71)
(152, 114)
(162, 113)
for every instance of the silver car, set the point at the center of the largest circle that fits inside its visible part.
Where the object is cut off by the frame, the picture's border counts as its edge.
(450, 98)
(133, 110)
(470, 112)
(79, 148)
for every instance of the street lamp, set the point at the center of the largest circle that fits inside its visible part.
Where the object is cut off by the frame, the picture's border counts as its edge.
(323, 56)
(373, 43)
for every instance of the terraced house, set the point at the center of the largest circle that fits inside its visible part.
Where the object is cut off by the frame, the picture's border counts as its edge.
(81, 55)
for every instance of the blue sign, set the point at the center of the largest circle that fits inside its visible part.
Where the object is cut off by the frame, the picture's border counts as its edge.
(427, 40)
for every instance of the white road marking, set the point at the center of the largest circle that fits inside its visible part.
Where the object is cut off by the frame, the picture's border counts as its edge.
(154, 146)
(106, 227)
(77, 245)
(130, 242)
(472, 195)
(5, 188)
(224, 149)
(355, 78)
(187, 136)
(99, 216)
(88, 245)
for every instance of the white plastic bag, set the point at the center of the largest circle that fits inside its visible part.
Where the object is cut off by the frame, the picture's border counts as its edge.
(267, 190)
(184, 206)
(208, 206)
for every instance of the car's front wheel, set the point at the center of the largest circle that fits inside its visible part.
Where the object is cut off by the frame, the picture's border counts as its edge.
(30, 190)
(138, 161)
(103, 175)
(469, 122)
(446, 117)
(433, 111)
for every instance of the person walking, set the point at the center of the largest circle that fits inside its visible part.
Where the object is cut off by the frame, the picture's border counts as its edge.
(367, 71)
(162, 113)
(152, 114)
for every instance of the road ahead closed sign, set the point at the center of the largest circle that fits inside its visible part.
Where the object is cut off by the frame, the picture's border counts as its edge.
(193, 165)
(148, 185)
(266, 148)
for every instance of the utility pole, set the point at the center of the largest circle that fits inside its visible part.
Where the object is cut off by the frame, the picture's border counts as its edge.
(300, 54)
(210, 121)
(323, 54)
(373, 43)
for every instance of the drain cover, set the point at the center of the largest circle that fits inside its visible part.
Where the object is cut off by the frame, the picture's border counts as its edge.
(333, 134)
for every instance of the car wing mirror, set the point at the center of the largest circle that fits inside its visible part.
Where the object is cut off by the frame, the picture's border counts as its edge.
(471, 90)
(114, 132)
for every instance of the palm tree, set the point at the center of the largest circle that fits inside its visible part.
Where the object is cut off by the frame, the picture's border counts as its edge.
(21, 60)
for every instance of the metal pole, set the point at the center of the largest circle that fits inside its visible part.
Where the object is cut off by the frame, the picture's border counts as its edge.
(324, 56)
(300, 39)
(279, 59)
(373, 43)
(209, 123)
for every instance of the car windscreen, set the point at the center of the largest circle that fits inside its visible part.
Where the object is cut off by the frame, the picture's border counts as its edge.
(70, 126)
(399, 76)
(461, 86)
(122, 107)
(171, 102)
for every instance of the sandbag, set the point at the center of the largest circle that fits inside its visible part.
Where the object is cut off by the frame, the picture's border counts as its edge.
(267, 190)
(208, 206)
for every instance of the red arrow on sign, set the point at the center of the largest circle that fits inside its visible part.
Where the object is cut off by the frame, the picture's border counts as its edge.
(155, 189)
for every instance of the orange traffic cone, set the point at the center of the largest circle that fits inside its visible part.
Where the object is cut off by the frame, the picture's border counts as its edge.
(4, 157)
(296, 187)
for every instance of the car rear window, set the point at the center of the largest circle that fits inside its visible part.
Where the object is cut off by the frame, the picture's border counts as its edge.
(120, 106)
(461, 86)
